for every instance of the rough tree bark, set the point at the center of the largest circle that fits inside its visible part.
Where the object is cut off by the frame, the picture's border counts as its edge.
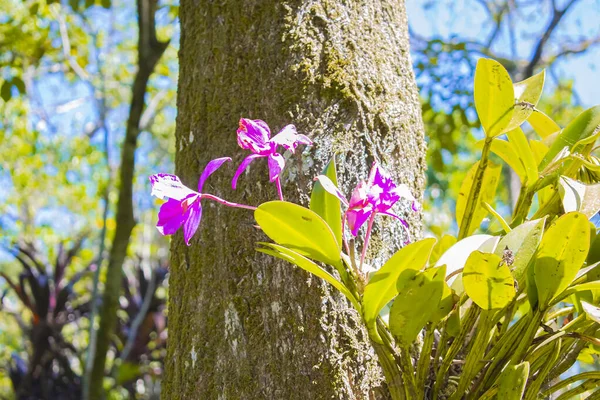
(241, 325)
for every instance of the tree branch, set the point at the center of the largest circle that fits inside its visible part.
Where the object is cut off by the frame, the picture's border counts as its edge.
(150, 50)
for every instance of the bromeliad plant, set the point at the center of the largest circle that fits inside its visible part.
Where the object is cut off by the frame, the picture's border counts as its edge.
(477, 316)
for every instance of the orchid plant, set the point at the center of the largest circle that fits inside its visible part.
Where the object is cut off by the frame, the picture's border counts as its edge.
(473, 316)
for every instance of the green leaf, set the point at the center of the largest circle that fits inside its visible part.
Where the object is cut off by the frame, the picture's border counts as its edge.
(542, 124)
(562, 252)
(299, 229)
(527, 94)
(507, 152)
(448, 298)
(299, 260)
(6, 90)
(416, 303)
(523, 242)
(382, 285)
(494, 96)
(518, 139)
(583, 126)
(488, 281)
(456, 256)
(441, 247)
(327, 205)
(488, 192)
(511, 385)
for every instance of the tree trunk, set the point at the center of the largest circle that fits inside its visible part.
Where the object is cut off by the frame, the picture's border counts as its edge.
(243, 325)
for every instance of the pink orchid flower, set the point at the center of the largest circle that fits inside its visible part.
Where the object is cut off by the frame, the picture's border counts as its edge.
(375, 196)
(183, 207)
(255, 135)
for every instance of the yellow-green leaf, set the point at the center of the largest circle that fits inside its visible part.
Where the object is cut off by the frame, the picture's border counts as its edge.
(582, 127)
(507, 152)
(562, 252)
(327, 205)
(440, 247)
(488, 192)
(494, 96)
(511, 385)
(542, 124)
(522, 242)
(382, 285)
(527, 95)
(519, 141)
(416, 303)
(299, 229)
(488, 281)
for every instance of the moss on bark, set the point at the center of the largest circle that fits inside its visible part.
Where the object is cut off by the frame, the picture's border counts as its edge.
(242, 325)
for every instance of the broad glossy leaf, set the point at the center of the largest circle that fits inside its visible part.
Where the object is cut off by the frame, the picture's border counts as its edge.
(448, 298)
(327, 205)
(494, 96)
(519, 141)
(299, 229)
(382, 285)
(591, 311)
(527, 95)
(511, 385)
(416, 303)
(507, 152)
(299, 260)
(456, 256)
(487, 194)
(582, 127)
(523, 242)
(577, 196)
(562, 252)
(441, 246)
(488, 281)
(542, 124)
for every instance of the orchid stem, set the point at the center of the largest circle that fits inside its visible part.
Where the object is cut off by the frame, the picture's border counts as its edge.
(279, 191)
(366, 244)
(226, 203)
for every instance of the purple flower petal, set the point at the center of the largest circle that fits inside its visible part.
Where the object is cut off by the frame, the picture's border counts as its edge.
(211, 167)
(242, 168)
(170, 217)
(276, 164)
(359, 196)
(289, 138)
(167, 185)
(331, 188)
(254, 136)
(357, 218)
(191, 221)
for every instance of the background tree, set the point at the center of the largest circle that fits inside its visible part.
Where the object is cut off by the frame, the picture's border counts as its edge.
(240, 324)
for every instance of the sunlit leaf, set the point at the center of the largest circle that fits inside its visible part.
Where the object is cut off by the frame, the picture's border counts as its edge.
(441, 246)
(591, 311)
(577, 196)
(583, 126)
(494, 96)
(527, 94)
(418, 296)
(542, 124)
(561, 254)
(511, 385)
(522, 242)
(491, 178)
(518, 139)
(488, 281)
(456, 256)
(507, 152)
(299, 229)
(382, 285)
(327, 205)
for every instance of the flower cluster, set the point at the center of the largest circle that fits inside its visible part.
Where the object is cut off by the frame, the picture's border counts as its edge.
(377, 195)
